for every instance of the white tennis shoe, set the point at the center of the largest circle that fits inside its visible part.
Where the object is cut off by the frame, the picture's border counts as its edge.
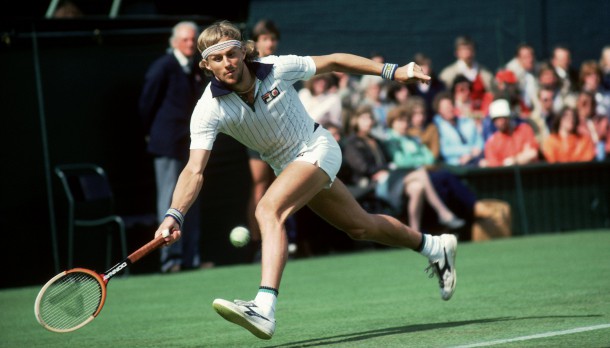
(444, 267)
(247, 315)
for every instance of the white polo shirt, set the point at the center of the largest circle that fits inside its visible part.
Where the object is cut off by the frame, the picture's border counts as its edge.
(277, 126)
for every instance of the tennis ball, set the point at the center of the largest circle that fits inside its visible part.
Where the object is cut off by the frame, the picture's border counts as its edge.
(240, 236)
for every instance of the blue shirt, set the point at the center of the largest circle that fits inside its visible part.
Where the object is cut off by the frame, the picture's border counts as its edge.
(459, 140)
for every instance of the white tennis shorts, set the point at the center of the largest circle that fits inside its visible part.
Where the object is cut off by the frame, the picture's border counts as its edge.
(321, 150)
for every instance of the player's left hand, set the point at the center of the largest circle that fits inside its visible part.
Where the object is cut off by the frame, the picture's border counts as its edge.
(411, 73)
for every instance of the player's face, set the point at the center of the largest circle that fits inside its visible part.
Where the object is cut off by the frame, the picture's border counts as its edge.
(227, 65)
(266, 44)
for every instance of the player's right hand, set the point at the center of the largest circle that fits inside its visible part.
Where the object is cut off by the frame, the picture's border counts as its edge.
(171, 229)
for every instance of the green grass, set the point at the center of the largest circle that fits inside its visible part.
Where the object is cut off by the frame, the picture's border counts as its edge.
(506, 289)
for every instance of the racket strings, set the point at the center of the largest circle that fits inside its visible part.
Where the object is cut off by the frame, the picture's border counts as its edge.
(70, 300)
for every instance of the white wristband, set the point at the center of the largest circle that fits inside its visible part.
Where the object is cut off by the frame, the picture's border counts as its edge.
(410, 69)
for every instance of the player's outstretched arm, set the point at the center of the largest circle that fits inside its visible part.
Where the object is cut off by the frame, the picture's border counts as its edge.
(186, 191)
(352, 64)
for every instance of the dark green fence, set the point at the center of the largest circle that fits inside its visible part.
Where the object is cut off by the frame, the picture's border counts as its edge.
(547, 197)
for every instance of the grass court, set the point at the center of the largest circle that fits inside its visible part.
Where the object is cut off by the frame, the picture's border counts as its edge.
(548, 290)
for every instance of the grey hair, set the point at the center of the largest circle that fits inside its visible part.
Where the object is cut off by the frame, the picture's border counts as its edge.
(188, 24)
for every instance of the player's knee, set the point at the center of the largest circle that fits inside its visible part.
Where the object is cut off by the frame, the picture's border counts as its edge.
(266, 213)
(356, 233)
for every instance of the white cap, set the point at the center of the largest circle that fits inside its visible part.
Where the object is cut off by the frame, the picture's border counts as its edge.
(499, 108)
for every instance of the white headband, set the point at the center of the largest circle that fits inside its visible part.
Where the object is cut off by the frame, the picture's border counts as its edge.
(220, 46)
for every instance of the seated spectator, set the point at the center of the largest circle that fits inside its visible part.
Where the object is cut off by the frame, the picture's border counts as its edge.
(408, 152)
(523, 65)
(467, 65)
(396, 94)
(591, 124)
(348, 88)
(561, 60)
(321, 104)
(462, 98)
(604, 63)
(510, 145)
(373, 97)
(426, 90)
(505, 86)
(590, 78)
(542, 116)
(368, 163)
(461, 141)
(420, 128)
(565, 144)
(547, 76)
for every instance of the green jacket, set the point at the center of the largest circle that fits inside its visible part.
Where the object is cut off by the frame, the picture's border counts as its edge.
(407, 152)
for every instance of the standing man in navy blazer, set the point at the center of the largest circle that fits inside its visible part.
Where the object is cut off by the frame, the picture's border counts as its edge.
(172, 86)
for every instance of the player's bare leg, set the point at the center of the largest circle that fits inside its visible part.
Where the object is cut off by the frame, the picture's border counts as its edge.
(337, 206)
(290, 191)
(261, 179)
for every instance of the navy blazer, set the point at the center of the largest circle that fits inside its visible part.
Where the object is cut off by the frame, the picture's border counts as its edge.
(166, 103)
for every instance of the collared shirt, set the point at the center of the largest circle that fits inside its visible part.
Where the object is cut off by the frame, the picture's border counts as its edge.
(276, 125)
(182, 60)
(470, 72)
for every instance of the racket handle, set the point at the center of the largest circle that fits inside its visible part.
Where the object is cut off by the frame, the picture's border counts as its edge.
(146, 249)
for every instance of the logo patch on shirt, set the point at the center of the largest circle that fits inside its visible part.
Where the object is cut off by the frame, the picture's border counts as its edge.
(269, 96)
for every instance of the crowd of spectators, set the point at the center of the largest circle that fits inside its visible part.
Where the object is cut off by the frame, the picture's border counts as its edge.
(525, 111)
(469, 115)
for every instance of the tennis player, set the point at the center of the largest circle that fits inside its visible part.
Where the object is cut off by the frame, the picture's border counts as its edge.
(252, 99)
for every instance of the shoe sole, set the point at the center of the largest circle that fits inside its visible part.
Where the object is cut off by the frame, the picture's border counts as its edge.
(226, 310)
(451, 254)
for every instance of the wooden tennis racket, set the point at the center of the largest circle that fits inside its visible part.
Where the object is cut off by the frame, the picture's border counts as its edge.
(73, 298)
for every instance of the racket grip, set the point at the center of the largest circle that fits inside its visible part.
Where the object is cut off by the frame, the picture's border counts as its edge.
(146, 249)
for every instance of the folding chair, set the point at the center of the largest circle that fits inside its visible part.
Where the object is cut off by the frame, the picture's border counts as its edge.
(90, 204)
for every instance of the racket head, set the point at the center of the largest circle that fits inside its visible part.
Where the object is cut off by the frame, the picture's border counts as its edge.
(70, 300)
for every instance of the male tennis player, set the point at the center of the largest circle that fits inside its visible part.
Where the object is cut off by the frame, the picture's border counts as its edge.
(253, 100)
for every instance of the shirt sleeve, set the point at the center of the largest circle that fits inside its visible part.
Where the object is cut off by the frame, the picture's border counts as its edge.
(292, 68)
(204, 123)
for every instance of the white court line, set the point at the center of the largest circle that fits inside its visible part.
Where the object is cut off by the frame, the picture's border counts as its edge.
(533, 337)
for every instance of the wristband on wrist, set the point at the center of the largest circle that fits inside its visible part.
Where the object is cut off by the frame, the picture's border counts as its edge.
(388, 71)
(176, 215)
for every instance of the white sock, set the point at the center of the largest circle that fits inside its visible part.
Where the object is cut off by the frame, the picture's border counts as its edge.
(432, 247)
(266, 302)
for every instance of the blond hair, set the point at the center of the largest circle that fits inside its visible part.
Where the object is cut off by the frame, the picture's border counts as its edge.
(224, 29)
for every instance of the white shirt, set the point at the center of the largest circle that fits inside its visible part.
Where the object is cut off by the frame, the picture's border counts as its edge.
(182, 60)
(277, 126)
